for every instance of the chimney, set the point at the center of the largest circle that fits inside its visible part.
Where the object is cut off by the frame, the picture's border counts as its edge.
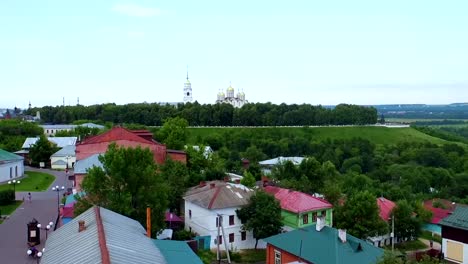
(320, 223)
(342, 235)
(202, 184)
(81, 226)
(212, 185)
(148, 222)
(237, 181)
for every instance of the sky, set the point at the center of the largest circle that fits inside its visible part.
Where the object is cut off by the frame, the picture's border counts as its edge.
(315, 52)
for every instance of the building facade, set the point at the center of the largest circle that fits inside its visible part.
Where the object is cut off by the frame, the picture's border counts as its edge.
(11, 166)
(455, 235)
(187, 91)
(237, 100)
(212, 203)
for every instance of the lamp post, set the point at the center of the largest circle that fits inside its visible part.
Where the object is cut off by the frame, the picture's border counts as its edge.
(58, 189)
(47, 228)
(34, 253)
(14, 182)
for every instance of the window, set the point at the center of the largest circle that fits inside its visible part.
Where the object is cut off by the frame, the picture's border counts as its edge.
(277, 257)
(16, 171)
(220, 240)
(314, 217)
(47, 131)
(243, 235)
(231, 220)
(324, 213)
(231, 237)
(217, 221)
(190, 214)
(11, 172)
(305, 219)
(455, 251)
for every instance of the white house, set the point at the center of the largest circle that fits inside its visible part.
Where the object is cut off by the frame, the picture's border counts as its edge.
(64, 158)
(51, 130)
(204, 204)
(11, 166)
(268, 165)
(455, 235)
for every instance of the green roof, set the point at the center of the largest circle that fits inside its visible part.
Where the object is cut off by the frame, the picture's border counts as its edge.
(324, 247)
(177, 252)
(458, 219)
(7, 156)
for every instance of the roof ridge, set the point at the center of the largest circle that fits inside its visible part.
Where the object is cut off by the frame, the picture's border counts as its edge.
(105, 258)
(218, 189)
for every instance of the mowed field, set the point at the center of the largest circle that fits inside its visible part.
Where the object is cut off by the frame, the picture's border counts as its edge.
(377, 135)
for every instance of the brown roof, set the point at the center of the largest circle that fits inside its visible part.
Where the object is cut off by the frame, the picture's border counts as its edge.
(218, 195)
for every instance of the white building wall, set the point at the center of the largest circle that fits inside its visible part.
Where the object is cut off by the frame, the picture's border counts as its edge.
(203, 222)
(465, 250)
(11, 170)
(71, 162)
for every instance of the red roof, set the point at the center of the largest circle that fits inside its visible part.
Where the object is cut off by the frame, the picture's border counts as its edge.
(116, 133)
(439, 213)
(385, 208)
(297, 202)
(174, 218)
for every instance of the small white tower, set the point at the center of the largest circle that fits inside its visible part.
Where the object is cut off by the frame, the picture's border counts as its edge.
(187, 90)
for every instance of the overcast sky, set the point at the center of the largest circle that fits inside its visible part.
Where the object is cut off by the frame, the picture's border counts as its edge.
(317, 52)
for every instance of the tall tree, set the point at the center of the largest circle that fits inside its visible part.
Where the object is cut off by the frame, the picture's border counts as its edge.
(360, 216)
(42, 150)
(128, 184)
(407, 226)
(262, 216)
(174, 133)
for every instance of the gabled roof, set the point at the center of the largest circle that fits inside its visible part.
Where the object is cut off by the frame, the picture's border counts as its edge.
(325, 247)
(8, 156)
(385, 208)
(439, 213)
(59, 141)
(122, 237)
(280, 160)
(458, 219)
(297, 202)
(115, 134)
(81, 166)
(67, 151)
(218, 195)
(177, 252)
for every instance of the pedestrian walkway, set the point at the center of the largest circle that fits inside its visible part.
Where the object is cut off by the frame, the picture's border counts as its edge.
(13, 231)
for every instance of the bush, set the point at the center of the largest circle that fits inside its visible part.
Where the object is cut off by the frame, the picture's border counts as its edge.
(183, 235)
(7, 197)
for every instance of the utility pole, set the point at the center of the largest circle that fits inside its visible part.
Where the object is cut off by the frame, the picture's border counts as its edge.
(224, 238)
(393, 232)
(218, 257)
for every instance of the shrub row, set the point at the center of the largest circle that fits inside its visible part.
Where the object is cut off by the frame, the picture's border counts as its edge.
(7, 197)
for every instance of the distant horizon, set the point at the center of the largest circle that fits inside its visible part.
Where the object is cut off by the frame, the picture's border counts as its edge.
(361, 52)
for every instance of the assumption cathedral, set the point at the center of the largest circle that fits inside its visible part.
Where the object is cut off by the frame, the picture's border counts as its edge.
(237, 100)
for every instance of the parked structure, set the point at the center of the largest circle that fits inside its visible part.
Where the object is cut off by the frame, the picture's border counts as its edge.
(320, 244)
(103, 236)
(11, 166)
(455, 235)
(300, 209)
(204, 204)
(64, 158)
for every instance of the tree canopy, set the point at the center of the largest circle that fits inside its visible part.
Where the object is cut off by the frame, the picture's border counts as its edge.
(262, 216)
(42, 150)
(173, 133)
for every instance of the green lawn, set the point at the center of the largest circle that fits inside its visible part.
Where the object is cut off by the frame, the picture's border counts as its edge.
(377, 135)
(8, 209)
(32, 182)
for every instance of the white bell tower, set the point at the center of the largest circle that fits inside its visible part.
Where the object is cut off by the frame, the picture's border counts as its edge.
(187, 90)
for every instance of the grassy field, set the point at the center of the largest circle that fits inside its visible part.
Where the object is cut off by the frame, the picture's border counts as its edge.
(377, 135)
(9, 209)
(32, 182)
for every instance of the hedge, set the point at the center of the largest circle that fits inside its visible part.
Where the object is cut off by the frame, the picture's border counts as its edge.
(7, 197)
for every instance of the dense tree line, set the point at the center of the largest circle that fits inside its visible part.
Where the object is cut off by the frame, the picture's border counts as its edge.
(258, 114)
(13, 133)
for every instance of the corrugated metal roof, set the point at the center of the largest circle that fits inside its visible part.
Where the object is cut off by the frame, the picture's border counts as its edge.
(59, 141)
(8, 156)
(280, 160)
(125, 239)
(297, 202)
(222, 195)
(324, 247)
(81, 166)
(59, 162)
(385, 208)
(177, 252)
(90, 125)
(65, 151)
(458, 219)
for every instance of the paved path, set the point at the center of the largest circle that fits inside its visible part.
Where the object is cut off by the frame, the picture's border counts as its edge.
(13, 232)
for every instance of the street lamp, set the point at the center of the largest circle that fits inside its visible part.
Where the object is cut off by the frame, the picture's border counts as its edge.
(34, 253)
(14, 182)
(58, 189)
(47, 228)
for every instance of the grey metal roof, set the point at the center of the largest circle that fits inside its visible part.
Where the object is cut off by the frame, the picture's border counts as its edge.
(222, 195)
(90, 125)
(59, 162)
(81, 166)
(280, 160)
(65, 151)
(59, 141)
(125, 239)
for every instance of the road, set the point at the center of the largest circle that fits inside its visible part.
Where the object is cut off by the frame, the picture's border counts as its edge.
(43, 207)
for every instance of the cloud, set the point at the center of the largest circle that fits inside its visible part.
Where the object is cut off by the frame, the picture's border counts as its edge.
(136, 10)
